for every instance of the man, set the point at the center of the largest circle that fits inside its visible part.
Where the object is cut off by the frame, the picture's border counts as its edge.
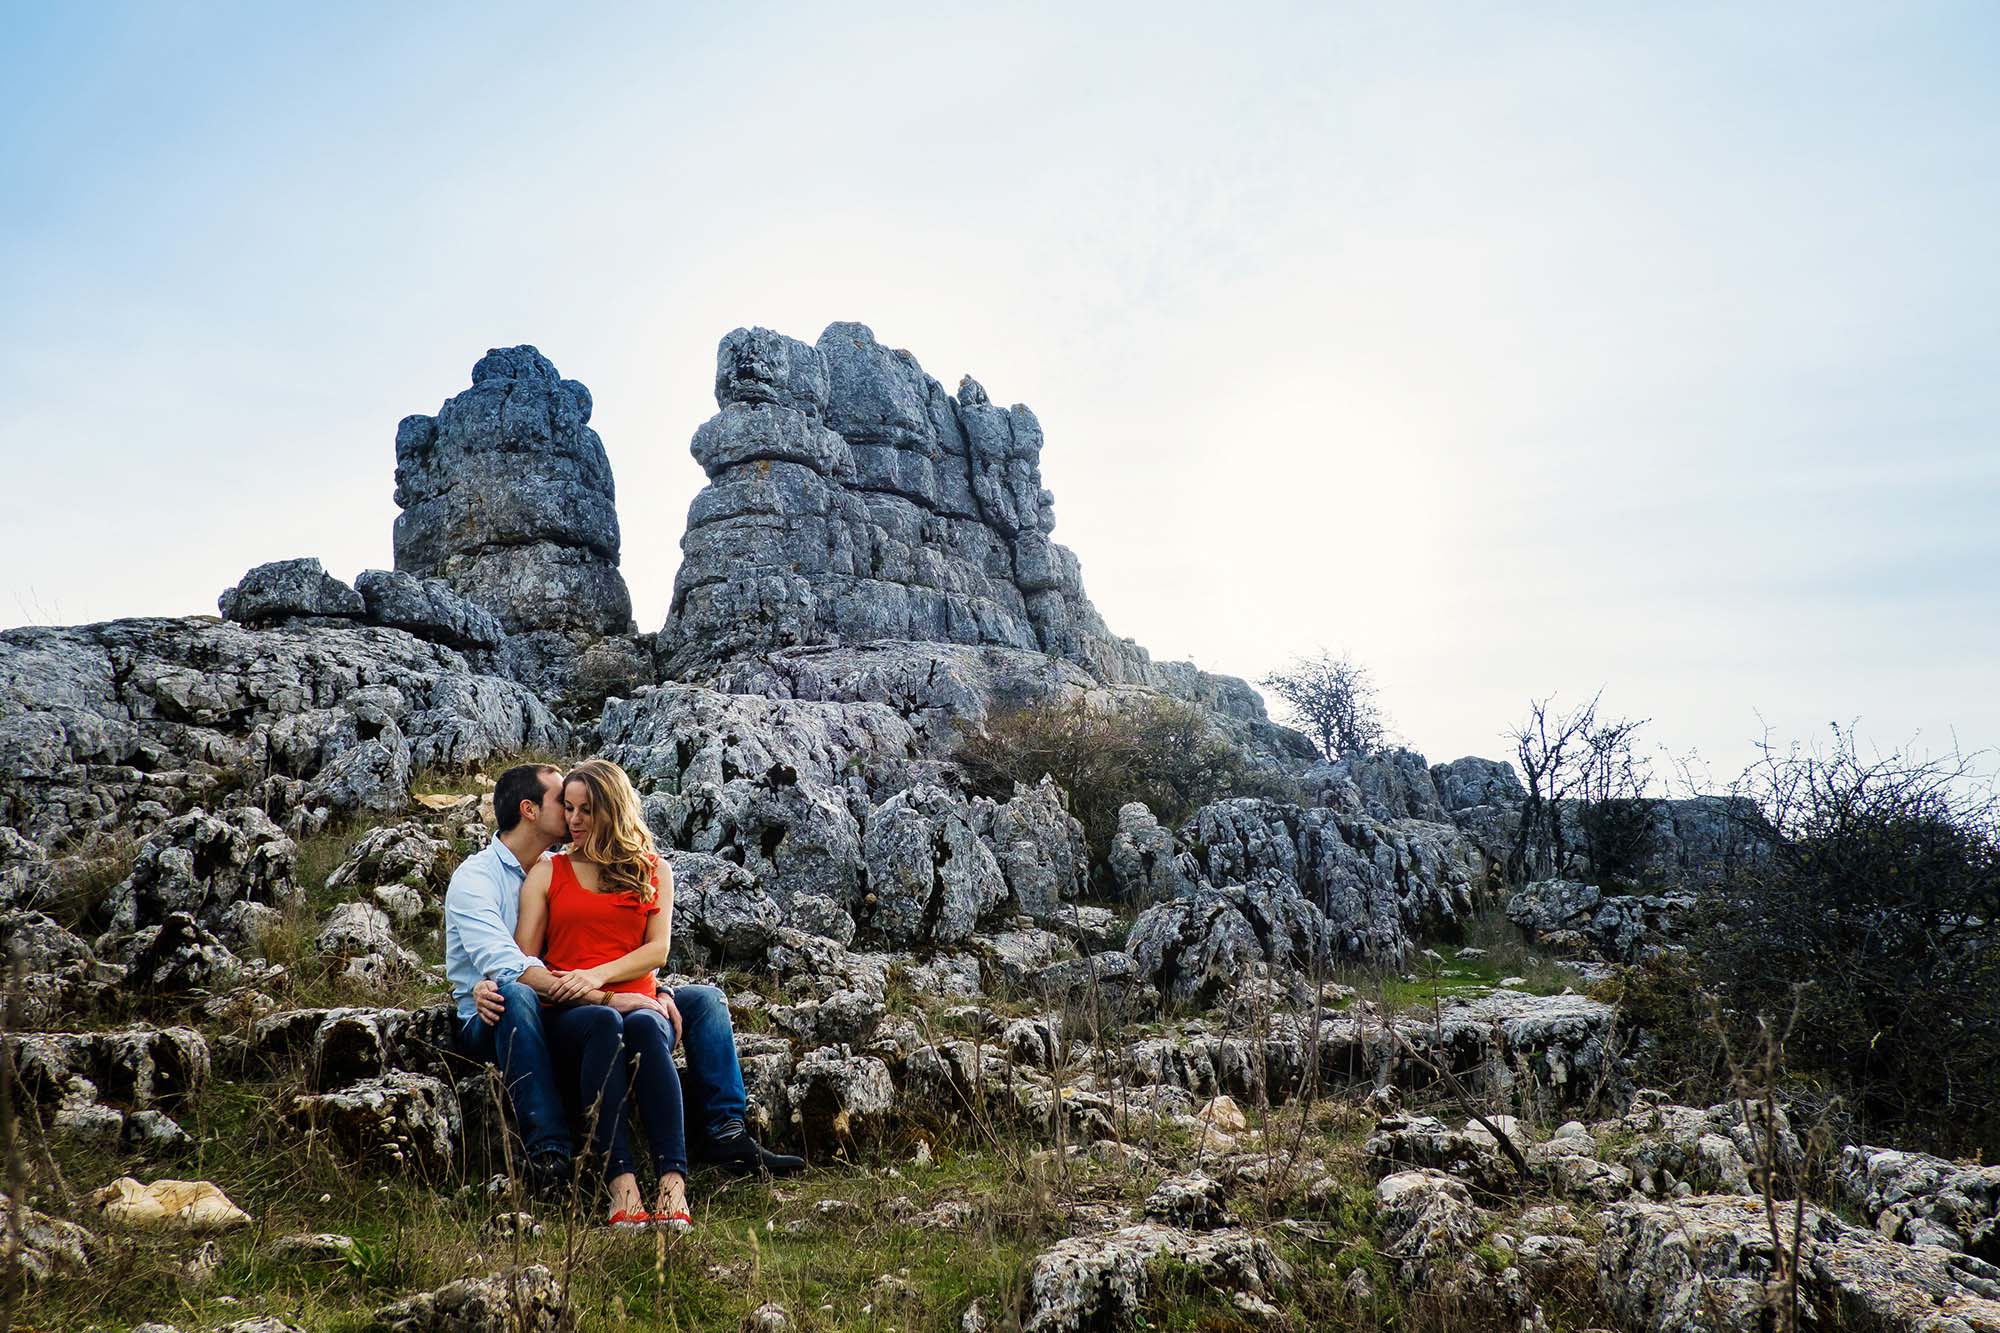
(499, 991)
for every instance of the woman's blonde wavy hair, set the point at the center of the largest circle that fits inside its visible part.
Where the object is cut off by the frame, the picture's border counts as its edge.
(619, 843)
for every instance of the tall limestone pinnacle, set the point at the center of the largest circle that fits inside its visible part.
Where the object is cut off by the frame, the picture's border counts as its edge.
(506, 494)
(851, 499)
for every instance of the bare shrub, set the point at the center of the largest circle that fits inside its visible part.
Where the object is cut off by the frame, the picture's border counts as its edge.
(1332, 699)
(1577, 765)
(1161, 751)
(1875, 916)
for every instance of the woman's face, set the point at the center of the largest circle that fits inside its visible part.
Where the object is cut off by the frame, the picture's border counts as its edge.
(576, 808)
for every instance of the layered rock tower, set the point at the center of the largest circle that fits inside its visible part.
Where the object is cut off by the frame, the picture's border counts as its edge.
(851, 499)
(507, 496)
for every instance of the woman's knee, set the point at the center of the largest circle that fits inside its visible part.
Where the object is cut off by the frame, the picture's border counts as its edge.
(595, 1023)
(647, 1029)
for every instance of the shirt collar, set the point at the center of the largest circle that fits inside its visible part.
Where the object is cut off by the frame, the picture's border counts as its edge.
(506, 855)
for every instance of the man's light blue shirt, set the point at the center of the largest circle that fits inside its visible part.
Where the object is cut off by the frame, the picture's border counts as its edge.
(480, 909)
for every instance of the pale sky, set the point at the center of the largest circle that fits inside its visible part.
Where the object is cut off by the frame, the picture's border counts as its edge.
(1511, 349)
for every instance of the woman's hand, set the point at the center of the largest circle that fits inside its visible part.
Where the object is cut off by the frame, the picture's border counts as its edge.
(570, 987)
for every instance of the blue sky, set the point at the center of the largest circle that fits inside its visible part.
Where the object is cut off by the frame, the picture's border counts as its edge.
(1512, 349)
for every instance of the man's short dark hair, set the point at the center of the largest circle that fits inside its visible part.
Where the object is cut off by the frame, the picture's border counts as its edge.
(523, 782)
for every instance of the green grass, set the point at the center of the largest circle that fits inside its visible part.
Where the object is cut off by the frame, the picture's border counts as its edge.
(1505, 954)
(878, 1262)
(755, 1241)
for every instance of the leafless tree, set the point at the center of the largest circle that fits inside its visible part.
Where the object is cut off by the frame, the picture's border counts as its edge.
(1333, 700)
(1572, 759)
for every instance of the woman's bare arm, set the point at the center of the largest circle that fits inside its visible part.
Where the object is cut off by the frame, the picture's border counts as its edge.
(531, 926)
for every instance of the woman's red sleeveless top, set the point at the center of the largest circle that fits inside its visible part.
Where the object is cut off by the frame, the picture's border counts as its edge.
(586, 929)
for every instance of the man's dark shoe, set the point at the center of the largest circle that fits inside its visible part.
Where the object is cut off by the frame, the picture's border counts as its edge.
(550, 1176)
(740, 1155)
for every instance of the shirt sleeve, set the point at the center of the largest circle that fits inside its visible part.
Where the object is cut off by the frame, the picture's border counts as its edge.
(484, 933)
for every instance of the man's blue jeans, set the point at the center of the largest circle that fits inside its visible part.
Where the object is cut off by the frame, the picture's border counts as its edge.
(714, 1083)
(519, 1046)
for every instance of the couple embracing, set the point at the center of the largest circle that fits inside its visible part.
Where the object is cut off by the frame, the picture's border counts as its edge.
(552, 961)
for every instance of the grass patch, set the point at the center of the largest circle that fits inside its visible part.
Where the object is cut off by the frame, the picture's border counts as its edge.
(850, 1247)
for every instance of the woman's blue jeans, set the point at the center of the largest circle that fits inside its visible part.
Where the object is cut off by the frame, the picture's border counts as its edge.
(657, 1085)
(618, 1053)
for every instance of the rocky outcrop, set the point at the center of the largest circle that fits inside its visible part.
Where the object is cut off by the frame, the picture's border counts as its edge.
(336, 1048)
(176, 957)
(59, 973)
(1701, 839)
(399, 1121)
(853, 504)
(930, 876)
(1535, 1053)
(1923, 1200)
(948, 690)
(1392, 784)
(428, 608)
(1145, 862)
(1712, 1264)
(506, 495)
(1039, 847)
(203, 864)
(852, 499)
(838, 1098)
(123, 725)
(1378, 883)
(1570, 916)
(1472, 782)
(1100, 1281)
(137, 1066)
(1427, 1221)
(721, 914)
(833, 802)
(1195, 947)
(406, 852)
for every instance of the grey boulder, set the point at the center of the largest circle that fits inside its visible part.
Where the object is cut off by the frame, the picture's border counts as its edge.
(1194, 948)
(201, 864)
(284, 589)
(930, 876)
(427, 608)
(1144, 861)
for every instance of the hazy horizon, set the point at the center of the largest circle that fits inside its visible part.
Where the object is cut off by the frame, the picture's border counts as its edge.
(1510, 354)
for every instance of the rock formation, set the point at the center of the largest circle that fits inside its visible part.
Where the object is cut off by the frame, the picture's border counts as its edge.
(507, 496)
(851, 499)
(122, 725)
(853, 504)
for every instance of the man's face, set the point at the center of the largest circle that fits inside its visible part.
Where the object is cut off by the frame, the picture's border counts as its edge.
(550, 821)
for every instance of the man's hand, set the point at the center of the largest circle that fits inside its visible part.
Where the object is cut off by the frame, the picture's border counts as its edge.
(625, 1001)
(488, 1000)
(665, 1001)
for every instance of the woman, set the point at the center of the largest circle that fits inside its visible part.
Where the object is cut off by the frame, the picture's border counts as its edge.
(600, 918)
